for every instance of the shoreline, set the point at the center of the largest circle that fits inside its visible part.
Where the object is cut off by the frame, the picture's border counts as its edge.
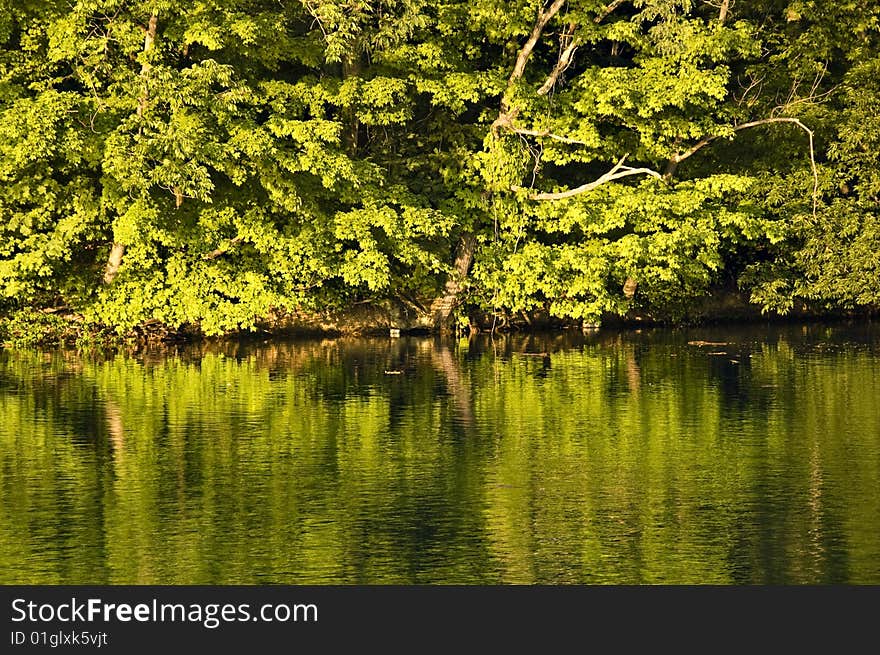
(48, 329)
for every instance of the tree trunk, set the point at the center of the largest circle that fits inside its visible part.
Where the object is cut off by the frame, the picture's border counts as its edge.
(508, 112)
(114, 261)
(149, 39)
(441, 308)
(722, 13)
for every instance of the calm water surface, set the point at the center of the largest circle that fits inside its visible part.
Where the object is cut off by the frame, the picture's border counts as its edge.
(736, 455)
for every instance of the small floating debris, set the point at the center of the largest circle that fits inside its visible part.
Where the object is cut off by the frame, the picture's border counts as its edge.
(708, 343)
(393, 372)
(394, 333)
(718, 353)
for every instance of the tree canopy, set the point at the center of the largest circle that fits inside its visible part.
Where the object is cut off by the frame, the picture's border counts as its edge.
(217, 162)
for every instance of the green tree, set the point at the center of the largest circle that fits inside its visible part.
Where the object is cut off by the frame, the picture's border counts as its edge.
(221, 162)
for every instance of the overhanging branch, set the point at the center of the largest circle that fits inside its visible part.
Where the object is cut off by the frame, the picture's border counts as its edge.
(702, 143)
(617, 172)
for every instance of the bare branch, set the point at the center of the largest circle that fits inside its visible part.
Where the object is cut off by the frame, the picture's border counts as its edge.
(724, 7)
(549, 135)
(617, 172)
(754, 83)
(565, 57)
(509, 113)
(676, 159)
(561, 65)
(813, 96)
(525, 52)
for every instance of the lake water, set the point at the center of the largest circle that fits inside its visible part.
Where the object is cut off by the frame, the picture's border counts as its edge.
(723, 455)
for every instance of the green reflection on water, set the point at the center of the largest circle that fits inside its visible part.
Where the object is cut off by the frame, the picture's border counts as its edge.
(750, 455)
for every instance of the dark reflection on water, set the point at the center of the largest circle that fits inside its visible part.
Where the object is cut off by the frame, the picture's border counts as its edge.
(737, 455)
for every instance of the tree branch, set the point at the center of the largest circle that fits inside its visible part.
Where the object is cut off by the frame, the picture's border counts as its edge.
(609, 9)
(561, 65)
(214, 254)
(525, 52)
(722, 12)
(508, 113)
(702, 143)
(566, 56)
(549, 135)
(615, 173)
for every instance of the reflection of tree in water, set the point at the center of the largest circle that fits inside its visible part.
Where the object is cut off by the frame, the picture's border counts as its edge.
(445, 362)
(621, 461)
(115, 428)
(53, 454)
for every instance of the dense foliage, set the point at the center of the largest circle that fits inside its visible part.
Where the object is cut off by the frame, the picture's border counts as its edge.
(215, 163)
